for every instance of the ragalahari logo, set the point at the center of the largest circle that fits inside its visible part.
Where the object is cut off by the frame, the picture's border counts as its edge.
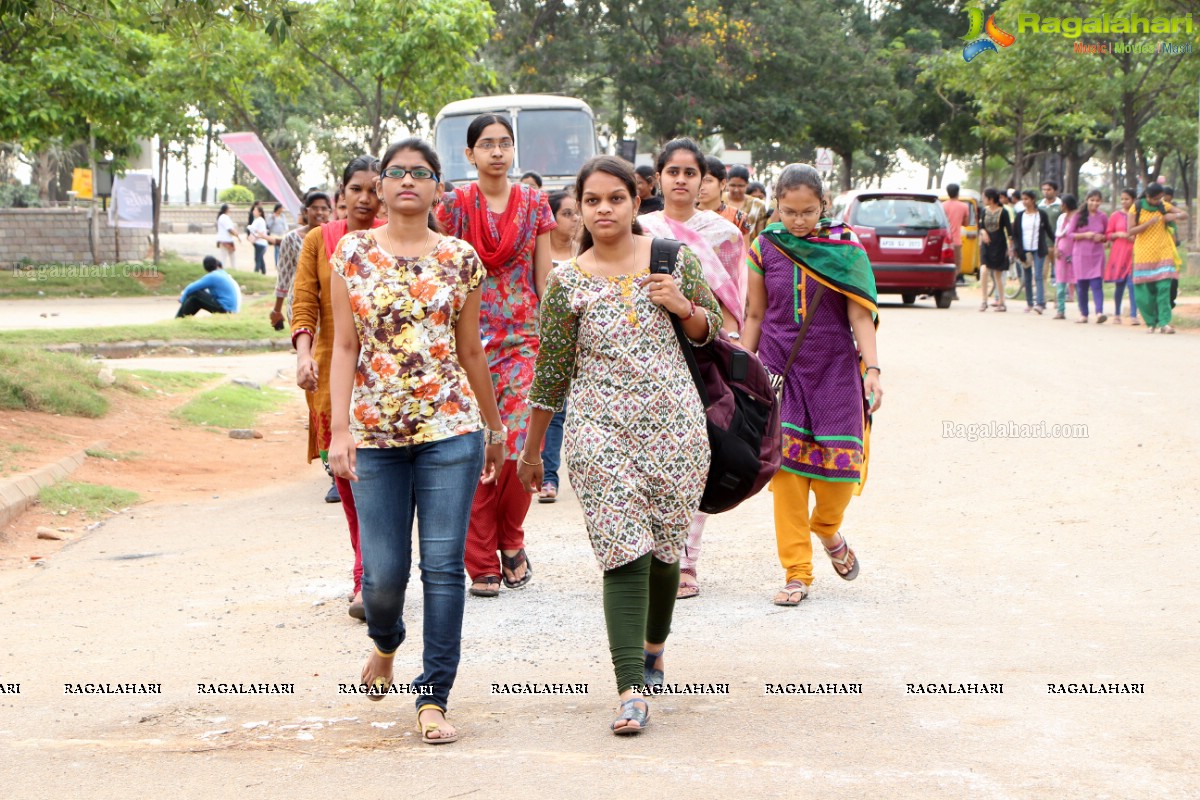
(983, 37)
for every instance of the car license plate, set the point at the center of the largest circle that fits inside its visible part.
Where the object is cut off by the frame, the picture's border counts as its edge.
(892, 243)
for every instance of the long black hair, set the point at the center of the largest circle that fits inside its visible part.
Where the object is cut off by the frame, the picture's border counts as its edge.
(682, 143)
(1083, 213)
(620, 169)
(360, 164)
(426, 151)
(475, 129)
(224, 210)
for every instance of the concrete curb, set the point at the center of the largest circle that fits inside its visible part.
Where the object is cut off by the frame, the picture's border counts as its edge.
(19, 493)
(138, 348)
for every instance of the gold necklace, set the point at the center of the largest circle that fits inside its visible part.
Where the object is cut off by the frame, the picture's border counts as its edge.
(420, 252)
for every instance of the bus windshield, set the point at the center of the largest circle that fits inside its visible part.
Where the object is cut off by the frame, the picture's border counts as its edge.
(550, 142)
(554, 142)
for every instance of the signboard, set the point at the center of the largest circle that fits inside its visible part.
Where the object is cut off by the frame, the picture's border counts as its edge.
(824, 160)
(133, 202)
(81, 183)
(250, 151)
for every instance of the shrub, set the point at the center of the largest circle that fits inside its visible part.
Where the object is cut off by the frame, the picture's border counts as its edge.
(238, 195)
(18, 196)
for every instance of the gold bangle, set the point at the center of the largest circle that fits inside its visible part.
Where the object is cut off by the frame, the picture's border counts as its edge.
(527, 463)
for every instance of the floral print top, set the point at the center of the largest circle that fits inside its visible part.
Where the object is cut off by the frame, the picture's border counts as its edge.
(408, 386)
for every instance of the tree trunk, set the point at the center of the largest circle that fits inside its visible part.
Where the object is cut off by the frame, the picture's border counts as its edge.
(166, 156)
(1133, 176)
(43, 173)
(1019, 148)
(983, 165)
(847, 163)
(187, 175)
(208, 140)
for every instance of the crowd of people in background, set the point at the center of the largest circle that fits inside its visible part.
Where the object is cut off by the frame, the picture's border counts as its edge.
(1080, 247)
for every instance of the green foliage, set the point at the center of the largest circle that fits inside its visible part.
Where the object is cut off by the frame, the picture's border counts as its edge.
(92, 500)
(236, 194)
(393, 62)
(168, 277)
(18, 196)
(231, 406)
(33, 380)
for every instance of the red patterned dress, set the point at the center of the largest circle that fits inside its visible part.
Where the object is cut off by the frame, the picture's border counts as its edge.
(508, 324)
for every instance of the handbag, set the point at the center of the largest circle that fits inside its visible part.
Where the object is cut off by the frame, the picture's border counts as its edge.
(741, 410)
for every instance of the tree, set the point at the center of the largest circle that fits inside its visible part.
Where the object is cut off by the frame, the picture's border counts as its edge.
(395, 62)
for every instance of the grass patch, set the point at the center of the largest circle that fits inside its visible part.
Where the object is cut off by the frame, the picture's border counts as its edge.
(110, 455)
(56, 383)
(90, 499)
(1189, 284)
(129, 279)
(17, 447)
(147, 380)
(251, 323)
(231, 406)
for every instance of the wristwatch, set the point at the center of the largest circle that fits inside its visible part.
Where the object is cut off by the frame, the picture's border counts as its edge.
(491, 437)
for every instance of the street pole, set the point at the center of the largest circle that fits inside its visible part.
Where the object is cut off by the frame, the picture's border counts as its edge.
(93, 220)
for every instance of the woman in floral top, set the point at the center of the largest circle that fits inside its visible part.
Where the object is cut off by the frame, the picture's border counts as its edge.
(409, 381)
(636, 438)
(509, 225)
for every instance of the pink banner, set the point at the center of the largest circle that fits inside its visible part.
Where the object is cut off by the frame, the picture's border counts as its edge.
(250, 151)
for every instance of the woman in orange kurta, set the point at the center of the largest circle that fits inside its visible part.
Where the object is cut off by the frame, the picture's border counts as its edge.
(312, 329)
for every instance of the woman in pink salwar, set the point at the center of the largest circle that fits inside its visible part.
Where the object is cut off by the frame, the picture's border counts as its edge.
(1086, 229)
(721, 249)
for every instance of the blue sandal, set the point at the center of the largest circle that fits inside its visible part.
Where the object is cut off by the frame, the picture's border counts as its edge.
(652, 678)
(632, 713)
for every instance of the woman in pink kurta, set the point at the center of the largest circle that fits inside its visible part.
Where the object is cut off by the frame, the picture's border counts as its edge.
(1064, 246)
(1119, 269)
(1086, 230)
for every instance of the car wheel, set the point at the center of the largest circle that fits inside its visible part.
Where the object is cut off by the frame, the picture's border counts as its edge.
(944, 299)
(908, 299)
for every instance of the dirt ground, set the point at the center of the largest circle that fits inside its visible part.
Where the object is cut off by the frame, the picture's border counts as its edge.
(1025, 561)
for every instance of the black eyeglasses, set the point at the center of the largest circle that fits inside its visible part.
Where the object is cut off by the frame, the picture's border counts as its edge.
(418, 173)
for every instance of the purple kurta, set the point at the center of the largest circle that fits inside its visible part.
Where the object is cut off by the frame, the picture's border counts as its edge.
(1087, 257)
(823, 408)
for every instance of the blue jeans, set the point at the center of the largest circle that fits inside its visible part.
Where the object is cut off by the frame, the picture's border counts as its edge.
(1119, 291)
(436, 481)
(260, 259)
(552, 449)
(1038, 264)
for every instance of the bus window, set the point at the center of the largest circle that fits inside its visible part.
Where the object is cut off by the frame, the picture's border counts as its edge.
(451, 145)
(554, 141)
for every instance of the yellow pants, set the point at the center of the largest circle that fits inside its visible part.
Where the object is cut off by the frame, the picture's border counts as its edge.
(793, 524)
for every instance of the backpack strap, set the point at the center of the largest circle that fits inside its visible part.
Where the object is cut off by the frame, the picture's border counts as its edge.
(812, 310)
(664, 253)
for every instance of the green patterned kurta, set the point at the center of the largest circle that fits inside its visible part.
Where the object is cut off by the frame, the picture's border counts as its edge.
(636, 438)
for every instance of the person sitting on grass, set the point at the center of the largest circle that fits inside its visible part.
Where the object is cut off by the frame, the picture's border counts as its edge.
(217, 292)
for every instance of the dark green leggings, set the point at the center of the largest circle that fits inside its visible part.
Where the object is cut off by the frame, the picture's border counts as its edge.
(639, 599)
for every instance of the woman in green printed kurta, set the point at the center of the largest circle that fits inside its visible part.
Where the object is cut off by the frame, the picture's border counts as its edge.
(636, 439)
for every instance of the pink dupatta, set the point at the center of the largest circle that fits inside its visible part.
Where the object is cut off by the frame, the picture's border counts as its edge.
(719, 246)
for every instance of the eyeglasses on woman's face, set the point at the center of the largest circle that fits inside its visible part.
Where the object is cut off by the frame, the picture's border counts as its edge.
(418, 173)
(489, 145)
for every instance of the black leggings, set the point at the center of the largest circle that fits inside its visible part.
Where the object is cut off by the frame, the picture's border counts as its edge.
(639, 599)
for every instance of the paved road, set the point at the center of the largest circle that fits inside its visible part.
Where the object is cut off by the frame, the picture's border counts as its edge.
(1022, 561)
(85, 312)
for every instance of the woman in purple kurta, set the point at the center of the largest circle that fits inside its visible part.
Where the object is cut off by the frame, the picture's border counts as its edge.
(808, 268)
(1087, 229)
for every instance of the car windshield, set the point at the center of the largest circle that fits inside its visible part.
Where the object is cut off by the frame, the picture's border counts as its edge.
(899, 211)
(554, 141)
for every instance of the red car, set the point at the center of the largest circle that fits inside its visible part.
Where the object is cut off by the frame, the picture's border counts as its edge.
(907, 237)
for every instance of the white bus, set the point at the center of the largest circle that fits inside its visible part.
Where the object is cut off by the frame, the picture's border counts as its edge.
(555, 135)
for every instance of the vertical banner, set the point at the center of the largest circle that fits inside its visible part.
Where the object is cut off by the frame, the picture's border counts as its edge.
(133, 202)
(250, 151)
(81, 183)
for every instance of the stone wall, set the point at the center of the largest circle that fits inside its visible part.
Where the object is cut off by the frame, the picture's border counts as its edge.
(60, 236)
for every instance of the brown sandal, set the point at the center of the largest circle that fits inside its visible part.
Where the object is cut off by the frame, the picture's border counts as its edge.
(510, 564)
(491, 585)
(789, 589)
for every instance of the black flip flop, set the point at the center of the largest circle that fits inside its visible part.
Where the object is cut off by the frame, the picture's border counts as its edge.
(511, 563)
